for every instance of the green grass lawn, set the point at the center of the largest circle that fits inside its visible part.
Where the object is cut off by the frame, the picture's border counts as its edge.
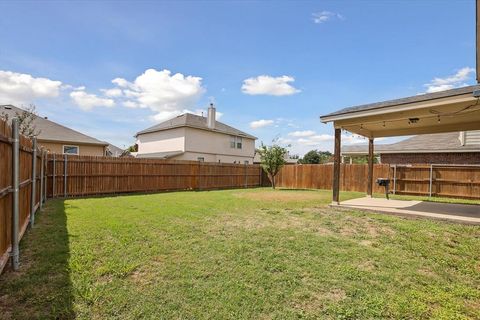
(240, 254)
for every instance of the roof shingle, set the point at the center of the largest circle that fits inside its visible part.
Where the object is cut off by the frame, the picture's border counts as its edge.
(52, 131)
(194, 121)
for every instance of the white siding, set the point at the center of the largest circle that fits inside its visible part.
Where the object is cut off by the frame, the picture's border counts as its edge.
(214, 143)
(472, 138)
(196, 143)
(162, 141)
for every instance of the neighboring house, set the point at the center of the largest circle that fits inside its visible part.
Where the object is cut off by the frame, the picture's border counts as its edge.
(197, 138)
(114, 151)
(56, 138)
(288, 160)
(439, 148)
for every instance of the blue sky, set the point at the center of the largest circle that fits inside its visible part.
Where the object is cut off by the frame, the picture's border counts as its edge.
(285, 63)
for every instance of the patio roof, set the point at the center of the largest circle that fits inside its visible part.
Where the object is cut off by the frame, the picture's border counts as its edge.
(446, 111)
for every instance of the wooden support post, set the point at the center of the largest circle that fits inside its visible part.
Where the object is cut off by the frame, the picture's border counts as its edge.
(336, 167)
(370, 168)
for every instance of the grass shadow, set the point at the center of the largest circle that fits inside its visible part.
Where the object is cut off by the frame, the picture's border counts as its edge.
(42, 288)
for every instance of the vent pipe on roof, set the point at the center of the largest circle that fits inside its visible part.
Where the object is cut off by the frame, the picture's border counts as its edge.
(211, 117)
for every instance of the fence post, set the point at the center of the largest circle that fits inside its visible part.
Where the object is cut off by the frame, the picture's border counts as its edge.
(261, 176)
(65, 176)
(246, 176)
(45, 187)
(15, 190)
(431, 178)
(53, 177)
(394, 178)
(198, 176)
(34, 183)
(41, 177)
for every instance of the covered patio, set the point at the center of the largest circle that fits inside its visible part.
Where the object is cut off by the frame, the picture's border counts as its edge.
(447, 111)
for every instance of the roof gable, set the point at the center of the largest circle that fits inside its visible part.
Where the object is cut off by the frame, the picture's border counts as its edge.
(194, 121)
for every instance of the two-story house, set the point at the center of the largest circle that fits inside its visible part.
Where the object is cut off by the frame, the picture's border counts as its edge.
(197, 138)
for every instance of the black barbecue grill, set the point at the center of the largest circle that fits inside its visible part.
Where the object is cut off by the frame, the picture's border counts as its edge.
(384, 182)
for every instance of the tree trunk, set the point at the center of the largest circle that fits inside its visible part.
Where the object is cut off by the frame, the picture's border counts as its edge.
(273, 182)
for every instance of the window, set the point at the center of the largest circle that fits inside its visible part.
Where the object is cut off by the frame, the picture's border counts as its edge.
(235, 142)
(71, 150)
(201, 159)
(239, 142)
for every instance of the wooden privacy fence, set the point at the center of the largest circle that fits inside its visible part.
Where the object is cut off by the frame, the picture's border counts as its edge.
(21, 189)
(439, 180)
(72, 176)
(353, 177)
(28, 176)
(461, 181)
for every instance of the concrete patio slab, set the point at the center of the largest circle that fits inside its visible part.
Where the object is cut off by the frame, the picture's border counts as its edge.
(435, 210)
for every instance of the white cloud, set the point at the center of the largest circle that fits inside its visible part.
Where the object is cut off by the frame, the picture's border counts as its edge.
(23, 88)
(303, 141)
(267, 85)
(113, 93)
(305, 133)
(165, 93)
(88, 101)
(324, 16)
(450, 82)
(261, 123)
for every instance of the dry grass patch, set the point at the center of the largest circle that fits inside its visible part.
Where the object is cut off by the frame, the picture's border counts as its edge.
(280, 195)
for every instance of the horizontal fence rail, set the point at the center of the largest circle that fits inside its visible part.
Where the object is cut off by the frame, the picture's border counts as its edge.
(353, 177)
(19, 199)
(41, 176)
(73, 176)
(461, 181)
(438, 180)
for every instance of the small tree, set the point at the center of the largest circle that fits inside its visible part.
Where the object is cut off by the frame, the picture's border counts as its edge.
(26, 117)
(272, 159)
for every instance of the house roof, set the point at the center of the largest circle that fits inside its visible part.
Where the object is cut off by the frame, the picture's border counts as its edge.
(194, 121)
(52, 131)
(425, 143)
(401, 101)
(159, 155)
(116, 151)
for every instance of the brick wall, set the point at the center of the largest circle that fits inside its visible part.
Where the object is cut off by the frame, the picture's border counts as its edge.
(441, 158)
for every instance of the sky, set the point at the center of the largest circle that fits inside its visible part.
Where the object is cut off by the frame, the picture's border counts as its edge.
(111, 69)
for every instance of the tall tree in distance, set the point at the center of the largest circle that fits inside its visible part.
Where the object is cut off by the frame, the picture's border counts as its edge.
(272, 159)
(316, 157)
